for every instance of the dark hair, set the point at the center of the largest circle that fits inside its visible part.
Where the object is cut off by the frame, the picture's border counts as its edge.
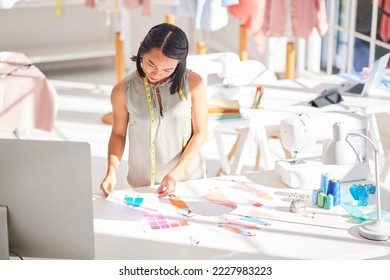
(173, 43)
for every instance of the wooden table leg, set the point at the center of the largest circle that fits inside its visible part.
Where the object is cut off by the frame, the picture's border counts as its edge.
(119, 69)
(290, 61)
(201, 47)
(169, 18)
(242, 43)
(119, 57)
(258, 157)
(230, 155)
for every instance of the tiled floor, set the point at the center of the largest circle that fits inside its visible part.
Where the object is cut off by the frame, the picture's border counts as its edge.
(83, 101)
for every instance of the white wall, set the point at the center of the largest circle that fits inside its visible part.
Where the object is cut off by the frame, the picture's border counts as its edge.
(28, 28)
(383, 120)
(35, 30)
(223, 40)
(31, 27)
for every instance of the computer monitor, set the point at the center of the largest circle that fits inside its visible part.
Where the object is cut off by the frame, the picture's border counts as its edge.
(46, 199)
(376, 75)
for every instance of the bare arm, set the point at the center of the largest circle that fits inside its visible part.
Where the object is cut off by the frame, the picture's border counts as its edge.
(117, 140)
(199, 133)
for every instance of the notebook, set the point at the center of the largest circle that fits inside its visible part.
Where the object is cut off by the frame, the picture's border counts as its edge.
(373, 80)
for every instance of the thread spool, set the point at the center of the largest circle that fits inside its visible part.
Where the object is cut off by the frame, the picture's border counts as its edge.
(329, 201)
(321, 199)
(334, 189)
(314, 197)
(324, 182)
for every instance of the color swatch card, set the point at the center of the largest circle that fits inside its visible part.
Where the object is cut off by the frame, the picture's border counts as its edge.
(157, 221)
(223, 196)
(147, 202)
(157, 213)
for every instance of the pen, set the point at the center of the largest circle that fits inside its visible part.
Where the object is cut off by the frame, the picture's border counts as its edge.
(258, 98)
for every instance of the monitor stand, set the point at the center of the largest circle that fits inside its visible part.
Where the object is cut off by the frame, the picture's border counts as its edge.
(4, 245)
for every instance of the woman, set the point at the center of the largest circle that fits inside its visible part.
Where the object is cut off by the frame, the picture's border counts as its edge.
(162, 107)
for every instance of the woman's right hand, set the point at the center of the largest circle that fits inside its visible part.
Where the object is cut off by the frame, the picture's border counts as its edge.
(117, 142)
(108, 184)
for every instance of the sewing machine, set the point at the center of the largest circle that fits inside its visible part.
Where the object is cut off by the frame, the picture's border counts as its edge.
(298, 133)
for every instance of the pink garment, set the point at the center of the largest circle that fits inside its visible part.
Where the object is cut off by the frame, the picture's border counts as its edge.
(131, 5)
(384, 32)
(305, 15)
(28, 100)
(251, 14)
(90, 3)
(268, 18)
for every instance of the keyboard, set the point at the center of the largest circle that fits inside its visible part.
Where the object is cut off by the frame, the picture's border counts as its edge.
(358, 88)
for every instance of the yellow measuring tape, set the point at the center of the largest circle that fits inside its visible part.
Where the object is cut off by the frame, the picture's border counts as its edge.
(153, 132)
(58, 8)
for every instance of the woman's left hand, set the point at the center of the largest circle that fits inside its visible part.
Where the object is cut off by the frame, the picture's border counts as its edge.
(167, 186)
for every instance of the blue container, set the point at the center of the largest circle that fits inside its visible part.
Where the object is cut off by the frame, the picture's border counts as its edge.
(324, 182)
(334, 189)
(314, 197)
(321, 199)
(329, 201)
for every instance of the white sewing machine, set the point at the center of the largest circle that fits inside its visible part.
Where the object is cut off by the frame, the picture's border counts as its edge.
(300, 132)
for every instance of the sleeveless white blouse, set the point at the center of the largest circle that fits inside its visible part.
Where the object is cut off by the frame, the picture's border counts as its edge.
(170, 127)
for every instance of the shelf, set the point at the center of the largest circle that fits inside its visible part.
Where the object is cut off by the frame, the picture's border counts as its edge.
(41, 3)
(77, 51)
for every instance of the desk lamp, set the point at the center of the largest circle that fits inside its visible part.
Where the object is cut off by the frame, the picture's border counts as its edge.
(377, 229)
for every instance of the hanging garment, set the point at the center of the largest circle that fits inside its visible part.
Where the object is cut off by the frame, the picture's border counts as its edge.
(131, 5)
(90, 3)
(305, 15)
(268, 18)
(384, 32)
(208, 14)
(226, 3)
(251, 15)
(186, 9)
(211, 15)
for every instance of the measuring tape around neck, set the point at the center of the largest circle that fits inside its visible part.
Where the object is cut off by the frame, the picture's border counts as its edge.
(153, 131)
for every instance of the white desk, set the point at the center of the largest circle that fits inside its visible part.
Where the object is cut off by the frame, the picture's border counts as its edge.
(286, 97)
(316, 234)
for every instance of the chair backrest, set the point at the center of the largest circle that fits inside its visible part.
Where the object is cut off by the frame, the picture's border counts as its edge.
(224, 64)
(233, 72)
(252, 72)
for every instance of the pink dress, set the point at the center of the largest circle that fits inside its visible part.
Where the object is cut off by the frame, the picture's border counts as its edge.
(268, 18)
